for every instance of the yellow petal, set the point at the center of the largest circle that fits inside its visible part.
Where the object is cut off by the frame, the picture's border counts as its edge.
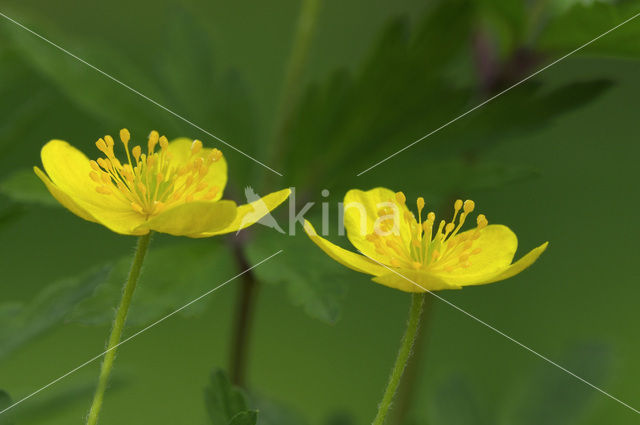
(409, 280)
(347, 258)
(217, 176)
(361, 215)
(62, 197)
(193, 218)
(249, 213)
(69, 169)
(518, 266)
(497, 245)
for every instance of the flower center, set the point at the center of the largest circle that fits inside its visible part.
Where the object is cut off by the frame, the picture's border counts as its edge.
(150, 182)
(440, 249)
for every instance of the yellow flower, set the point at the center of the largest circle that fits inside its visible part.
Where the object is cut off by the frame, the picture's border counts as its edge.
(175, 187)
(417, 255)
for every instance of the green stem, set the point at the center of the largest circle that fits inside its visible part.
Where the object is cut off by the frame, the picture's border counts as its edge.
(305, 29)
(417, 302)
(118, 326)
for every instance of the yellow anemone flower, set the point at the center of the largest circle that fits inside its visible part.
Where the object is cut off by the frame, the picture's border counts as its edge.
(175, 187)
(418, 255)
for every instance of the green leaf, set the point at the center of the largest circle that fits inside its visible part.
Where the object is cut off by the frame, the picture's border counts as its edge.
(553, 397)
(352, 118)
(245, 418)
(223, 400)
(21, 323)
(91, 90)
(5, 401)
(274, 413)
(173, 275)
(24, 186)
(185, 66)
(585, 21)
(312, 280)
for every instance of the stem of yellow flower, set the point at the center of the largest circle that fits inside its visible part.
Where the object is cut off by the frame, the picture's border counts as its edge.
(118, 327)
(415, 312)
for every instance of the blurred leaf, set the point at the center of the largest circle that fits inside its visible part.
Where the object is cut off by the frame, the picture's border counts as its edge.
(585, 21)
(5, 401)
(451, 176)
(245, 418)
(219, 101)
(398, 91)
(88, 88)
(274, 413)
(225, 401)
(455, 403)
(556, 398)
(24, 186)
(312, 280)
(21, 323)
(172, 276)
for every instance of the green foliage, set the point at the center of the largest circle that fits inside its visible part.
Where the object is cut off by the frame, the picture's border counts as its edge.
(5, 401)
(226, 403)
(172, 276)
(274, 413)
(24, 186)
(312, 281)
(585, 21)
(23, 322)
(550, 396)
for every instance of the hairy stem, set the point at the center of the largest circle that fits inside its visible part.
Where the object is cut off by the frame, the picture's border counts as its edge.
(406, 345)
(118, 326)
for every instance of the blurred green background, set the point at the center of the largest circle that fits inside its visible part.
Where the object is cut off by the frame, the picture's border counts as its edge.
(554, 158)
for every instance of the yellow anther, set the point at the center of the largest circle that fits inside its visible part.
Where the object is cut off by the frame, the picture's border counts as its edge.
(420, 203)
(153, 141)
(449, 228)
(431, 217)
(106, 165)
(482, 221)
(469, 206)
(102, 146)
(196, 147)
(457, 205)
(216, 154)
(163, 142)
(109, 141)
(95, 166)
(94, 176)
(125, 136)
(401, 198)
(136, 151)
(104, 190)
